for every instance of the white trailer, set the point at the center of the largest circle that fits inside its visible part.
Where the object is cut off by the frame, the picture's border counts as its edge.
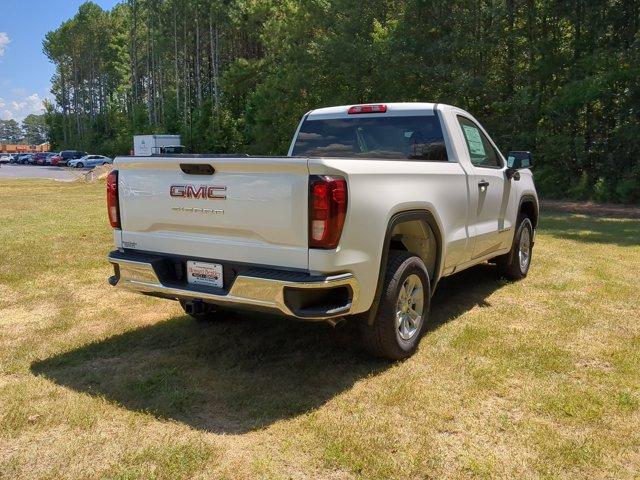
(147, 145)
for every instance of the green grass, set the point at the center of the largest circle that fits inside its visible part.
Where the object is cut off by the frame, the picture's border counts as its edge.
(534, 379)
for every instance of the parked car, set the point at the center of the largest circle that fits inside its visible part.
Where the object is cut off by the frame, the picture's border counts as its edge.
(39, 158)
(49, 156)
(63, 158)
(173, 150)
(14, 158)
(90, 161)
(25, 158)
(380, 202)
(5, 159)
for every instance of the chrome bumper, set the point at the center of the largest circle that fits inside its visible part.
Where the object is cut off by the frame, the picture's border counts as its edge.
(246, 290)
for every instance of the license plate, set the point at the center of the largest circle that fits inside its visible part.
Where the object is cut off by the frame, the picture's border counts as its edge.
(201, 273)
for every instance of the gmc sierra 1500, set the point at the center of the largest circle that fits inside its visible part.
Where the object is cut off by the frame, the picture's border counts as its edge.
(371, 208)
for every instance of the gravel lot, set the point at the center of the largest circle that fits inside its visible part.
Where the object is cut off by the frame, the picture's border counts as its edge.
(24, 171)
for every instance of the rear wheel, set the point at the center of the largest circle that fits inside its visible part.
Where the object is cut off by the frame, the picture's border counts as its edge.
(515, 264)
(403, 311)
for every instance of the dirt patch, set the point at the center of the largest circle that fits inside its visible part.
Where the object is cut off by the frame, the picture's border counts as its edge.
(98, 173)
(88, 176)
(590, 208)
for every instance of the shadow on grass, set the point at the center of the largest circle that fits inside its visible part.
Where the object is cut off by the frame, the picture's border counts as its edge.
(461, 292)
(242, 373)
(622, 232)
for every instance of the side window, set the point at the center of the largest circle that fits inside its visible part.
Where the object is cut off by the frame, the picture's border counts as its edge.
(481, 151)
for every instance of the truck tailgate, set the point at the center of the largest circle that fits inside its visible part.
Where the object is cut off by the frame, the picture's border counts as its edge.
(257, 213)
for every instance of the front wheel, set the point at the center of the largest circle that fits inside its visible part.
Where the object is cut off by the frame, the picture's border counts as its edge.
(403, 310)
(79, 165)
(515, 264)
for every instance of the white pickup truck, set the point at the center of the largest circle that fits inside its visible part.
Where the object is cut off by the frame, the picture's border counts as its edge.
(371, 208)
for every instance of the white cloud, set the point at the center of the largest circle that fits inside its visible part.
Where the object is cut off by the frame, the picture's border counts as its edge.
(4, 41)
(19, 108)
(4, 113)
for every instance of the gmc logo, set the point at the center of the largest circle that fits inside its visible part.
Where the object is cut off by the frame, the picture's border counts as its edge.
(201, 192)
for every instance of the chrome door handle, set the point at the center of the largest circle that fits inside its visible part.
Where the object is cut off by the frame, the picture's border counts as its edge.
(483, 185)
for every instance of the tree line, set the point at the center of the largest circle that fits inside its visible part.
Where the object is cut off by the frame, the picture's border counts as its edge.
(32, 130)
(558, 77)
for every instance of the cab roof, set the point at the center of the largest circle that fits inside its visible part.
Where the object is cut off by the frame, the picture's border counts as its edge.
(392, 109)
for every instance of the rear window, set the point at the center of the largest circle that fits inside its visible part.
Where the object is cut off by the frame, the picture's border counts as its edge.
(409, 137)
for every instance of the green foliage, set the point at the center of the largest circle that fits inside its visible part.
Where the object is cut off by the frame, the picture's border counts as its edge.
(628, 190)
(560, 79)
(582, 189)
(35, 129)
(10, 131)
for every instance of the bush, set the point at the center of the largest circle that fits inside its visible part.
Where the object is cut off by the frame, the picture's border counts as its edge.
(583, 189)
(628, 190)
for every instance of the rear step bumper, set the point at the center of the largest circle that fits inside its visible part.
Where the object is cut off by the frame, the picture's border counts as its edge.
(299, 295)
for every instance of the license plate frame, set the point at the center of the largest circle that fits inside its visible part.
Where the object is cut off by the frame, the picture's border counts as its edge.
(205, 274)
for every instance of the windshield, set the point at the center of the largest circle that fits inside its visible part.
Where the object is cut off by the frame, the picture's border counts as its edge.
(407, 137)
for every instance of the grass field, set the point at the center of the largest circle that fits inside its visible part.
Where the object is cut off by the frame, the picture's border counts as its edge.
(535, 379)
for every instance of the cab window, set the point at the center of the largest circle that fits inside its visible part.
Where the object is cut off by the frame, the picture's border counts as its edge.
(480, 149)
(411, 137)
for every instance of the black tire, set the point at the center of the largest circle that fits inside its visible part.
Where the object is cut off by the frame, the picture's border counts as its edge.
(79, 165)
(513, 265)
(208, 315)
(384, 338)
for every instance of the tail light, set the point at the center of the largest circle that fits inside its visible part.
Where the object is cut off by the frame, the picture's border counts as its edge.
(113, 206)
(327, 211)
(359, 109)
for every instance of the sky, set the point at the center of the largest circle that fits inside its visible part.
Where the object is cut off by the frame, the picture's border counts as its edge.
(25, 72)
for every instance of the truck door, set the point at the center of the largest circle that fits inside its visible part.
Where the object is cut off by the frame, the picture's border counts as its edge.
(492, 190)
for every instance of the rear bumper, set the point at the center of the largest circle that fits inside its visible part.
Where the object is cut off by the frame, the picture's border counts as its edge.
(295, 294)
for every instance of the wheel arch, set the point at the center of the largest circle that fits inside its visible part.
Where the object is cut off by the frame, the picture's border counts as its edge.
(400, 219)
(529, 206)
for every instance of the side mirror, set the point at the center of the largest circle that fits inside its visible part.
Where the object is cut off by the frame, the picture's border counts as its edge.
(517, 161)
